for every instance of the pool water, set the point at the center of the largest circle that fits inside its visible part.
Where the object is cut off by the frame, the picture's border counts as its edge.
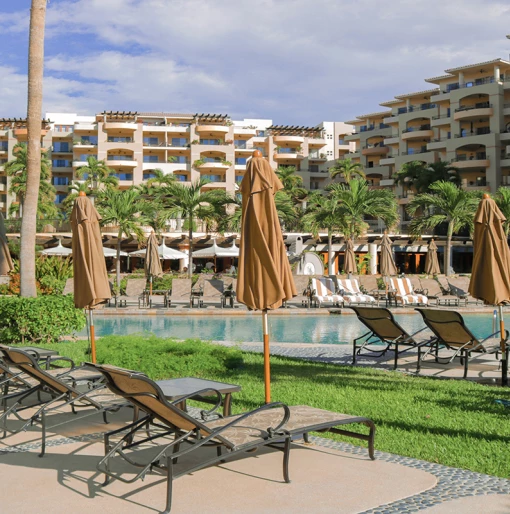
(332, 329)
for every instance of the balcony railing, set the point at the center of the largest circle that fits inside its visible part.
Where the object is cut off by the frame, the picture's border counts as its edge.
(442, 116)
(480, 156)
(113, 139)
(414, 108)
(412, 151)
(120, 158)
(474, 133)
(477, 82)
(415, 129)
(481, 105)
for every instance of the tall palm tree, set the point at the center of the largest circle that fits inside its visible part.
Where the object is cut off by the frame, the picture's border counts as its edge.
(18, 170)
(420, 175)
(190, 202)
(98, 174)
(356, 201)
(348, 169)
(292, 183)
(34, 115)
(126, 210)
(446, 203)
(502, 199)
(322, 213)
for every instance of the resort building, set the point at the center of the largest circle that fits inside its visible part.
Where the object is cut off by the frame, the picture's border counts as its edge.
(464, 120)
(188, 146)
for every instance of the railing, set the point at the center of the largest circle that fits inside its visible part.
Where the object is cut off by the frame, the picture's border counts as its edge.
(471, 134)
(4, 147)
(481, 184)
(414, 108)
(288, 150)
(477, 82)
(415, 152)
(214, 178)
(416, 129)
(120, 158)
(364, 128)
(113, 139)
(14, 225)
(381, 145)
(442, 116)
(440, 139)
(482, 105)
(85, 142)
(480, 156)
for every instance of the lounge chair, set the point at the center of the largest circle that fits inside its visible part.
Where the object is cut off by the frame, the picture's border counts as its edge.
(369, 284)
(135, 293)
(433, 291)
(451, 333)
(61, 389)
(180, 292)
(351, 292)
(69, 287)
(302, 283)
(443, 283)
(230, 285)
(403, 292)
(213, 293)
(416, 284)
(384, 334)
(459, 286)
(273, 425)
(324, 290)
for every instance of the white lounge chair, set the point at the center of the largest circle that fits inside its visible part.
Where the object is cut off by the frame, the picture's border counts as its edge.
(323, 290)
(404, 293)
(352, 292)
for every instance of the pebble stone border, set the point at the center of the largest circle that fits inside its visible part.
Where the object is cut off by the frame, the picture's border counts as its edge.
(452, 483)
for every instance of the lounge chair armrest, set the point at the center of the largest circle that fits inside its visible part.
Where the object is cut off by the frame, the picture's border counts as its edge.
(200, 392)
(61, 358)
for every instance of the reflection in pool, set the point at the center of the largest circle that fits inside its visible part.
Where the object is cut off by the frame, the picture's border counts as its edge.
(332, 329)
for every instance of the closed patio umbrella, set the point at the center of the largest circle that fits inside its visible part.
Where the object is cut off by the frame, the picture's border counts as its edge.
(387, 265)
(349, 259)
(490, 276)
(152, 262)
(91, 287)
(265, 279)
(431, 262)
(5, 254)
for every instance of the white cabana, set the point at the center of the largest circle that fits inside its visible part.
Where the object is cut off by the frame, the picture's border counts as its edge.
(59, 250)
(217, 251)
(164, 252)
(111, 252)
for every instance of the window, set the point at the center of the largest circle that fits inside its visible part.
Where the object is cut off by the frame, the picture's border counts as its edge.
(150, 141)
(209, 141)
(61, 163)
(370, 164)
(341, 141)
(179, 159)
(240, 160)
(123, 158)
(4, 146)
(123, 176)
(181, 178)
(60, 198)
(314, 168)
(260, 133)
(240, 144)
(239, 178)
(179, 141)
(150, 158)
(451, 87)
(112, 139)
(60, 181)
(61, 147)
(90, 140)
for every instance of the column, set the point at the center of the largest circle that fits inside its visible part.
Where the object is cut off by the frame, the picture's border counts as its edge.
(372, 251)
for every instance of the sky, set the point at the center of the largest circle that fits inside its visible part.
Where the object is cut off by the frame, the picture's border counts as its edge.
(292, 61)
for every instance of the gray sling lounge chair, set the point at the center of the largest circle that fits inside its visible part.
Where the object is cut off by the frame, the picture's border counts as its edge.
(432, 290)
(459, 287)
(302, 283)
(269, 425)
(181, 292)
(135, 293)
(213, 294)
(384, 334)
(60, 388)
(451, 333)
(69, 287)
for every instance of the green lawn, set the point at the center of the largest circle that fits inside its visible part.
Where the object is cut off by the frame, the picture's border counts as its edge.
(456, 423)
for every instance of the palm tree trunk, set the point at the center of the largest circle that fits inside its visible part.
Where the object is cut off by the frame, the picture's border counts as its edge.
(117, 264)
(448, 252)
(331, 263)
(190, 237)
(34, 115)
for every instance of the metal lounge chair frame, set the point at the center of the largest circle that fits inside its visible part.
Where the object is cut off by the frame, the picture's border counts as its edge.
(61, 390)
(270, 425)
(385, 331)
(451, 333)
(135, 292)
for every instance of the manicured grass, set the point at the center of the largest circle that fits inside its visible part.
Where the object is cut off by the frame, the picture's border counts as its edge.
(455, 423)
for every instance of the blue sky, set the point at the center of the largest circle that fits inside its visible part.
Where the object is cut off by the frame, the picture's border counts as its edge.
(293, 61)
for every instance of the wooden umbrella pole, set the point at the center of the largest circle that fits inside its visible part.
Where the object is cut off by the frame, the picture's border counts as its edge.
(267, 371)
(92, 336)
(504, 362)
(150, 285)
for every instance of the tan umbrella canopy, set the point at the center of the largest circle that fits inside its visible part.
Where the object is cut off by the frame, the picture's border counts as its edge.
(431, 262)
(5, 255)
(387, 265)
(350, 258)
(91, 287)
(152, 262)
(490, 276)
(264, 279)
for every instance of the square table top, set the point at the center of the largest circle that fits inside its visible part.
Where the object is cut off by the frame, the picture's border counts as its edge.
(175, 388)
(42, 352)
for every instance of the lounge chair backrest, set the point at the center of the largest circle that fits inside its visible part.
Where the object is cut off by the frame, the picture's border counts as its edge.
(181, 288)
(369, 282)
(448, 325)
(146, 394)
(69, 287)
(350, 286)
(199, 284)
(135, 286)
(403, 286)
(323, 286)
(213, 289)
(415, 283)
(25, 362)
(302, 283)
(443, 283)
(381, 322)
(431, 285)
(461, 284)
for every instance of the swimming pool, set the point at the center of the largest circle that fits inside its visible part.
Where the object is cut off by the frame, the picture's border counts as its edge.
(332, 329)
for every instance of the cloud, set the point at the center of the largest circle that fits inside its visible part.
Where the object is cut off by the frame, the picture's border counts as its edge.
(293, 61)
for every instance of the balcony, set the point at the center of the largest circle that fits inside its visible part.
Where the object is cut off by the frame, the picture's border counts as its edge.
(121, 161)
(441, 120)
(3, 188)
(391, 119)
(120, 125)
(88, 127)
(375, 150)
(316, 156)
(245, 131)
(288, 139)
(477, 187)
(206, 164)
(387, 161)
(471, 112)
(203, 129)
(466, 134)
(462, 161)
(387, 182)
(422, 132)
(84, 143)
(317, 142)
(392, 140)
(174, 129)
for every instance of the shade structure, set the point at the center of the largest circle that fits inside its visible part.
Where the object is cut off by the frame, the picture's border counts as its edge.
(431, 262)
(164, 252)
(350, 258)
(490, 276)
(217, 251)
(5, 255)
(58, 250)
(152, 262)
(387, 264)
(91, 287)
(264, 276)
(111, 252)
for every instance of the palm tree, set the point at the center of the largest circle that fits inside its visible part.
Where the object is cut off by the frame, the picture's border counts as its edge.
(74, 191)
(348, 169)
(190, 202)
(18, 170)
(420, 175)
(98, 174)
(446, 203)
(126, 210)
(502, 199)
(322, 213)
(292, 183)
(34, 115)
(356, 201)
